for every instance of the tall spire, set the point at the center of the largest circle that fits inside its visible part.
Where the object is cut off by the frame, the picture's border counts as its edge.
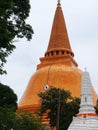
(59, 49)
(86, 106)
(59, 40)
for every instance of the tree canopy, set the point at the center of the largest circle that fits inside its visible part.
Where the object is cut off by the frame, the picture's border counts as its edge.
(60, 107)
(13, 15)
(27, 121)
(10, 120)
(7, 116)
(8, 98)
(96, 107)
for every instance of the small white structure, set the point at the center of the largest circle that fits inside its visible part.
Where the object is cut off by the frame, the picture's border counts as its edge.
(86, 119)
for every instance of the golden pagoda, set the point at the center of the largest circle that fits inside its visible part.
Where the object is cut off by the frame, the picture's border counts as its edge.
(57, 68)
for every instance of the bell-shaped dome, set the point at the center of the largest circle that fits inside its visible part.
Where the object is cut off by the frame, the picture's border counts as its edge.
(59, 75)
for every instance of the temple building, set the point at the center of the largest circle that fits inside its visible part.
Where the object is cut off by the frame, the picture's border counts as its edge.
(86, 119)
(57, 68)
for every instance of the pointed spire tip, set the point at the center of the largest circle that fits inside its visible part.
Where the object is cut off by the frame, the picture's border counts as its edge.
(58, 1)
(85, 69)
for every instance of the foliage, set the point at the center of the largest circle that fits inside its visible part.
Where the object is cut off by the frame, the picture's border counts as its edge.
(26, 121)
(7, 97)
(7, 118)
(70, 110)
(13, 15)
(96, 107)
(54, 98)
(10, 120)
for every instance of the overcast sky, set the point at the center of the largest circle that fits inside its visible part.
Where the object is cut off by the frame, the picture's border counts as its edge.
(81, 18)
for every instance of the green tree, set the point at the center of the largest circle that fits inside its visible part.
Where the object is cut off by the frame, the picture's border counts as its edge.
(9, 120)
(69, 111)
(26, 121)
(13, 15)
(96, 107)
(7, 97)
(60, 107)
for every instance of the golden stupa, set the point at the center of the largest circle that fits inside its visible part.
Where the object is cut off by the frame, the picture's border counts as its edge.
(57, 68)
